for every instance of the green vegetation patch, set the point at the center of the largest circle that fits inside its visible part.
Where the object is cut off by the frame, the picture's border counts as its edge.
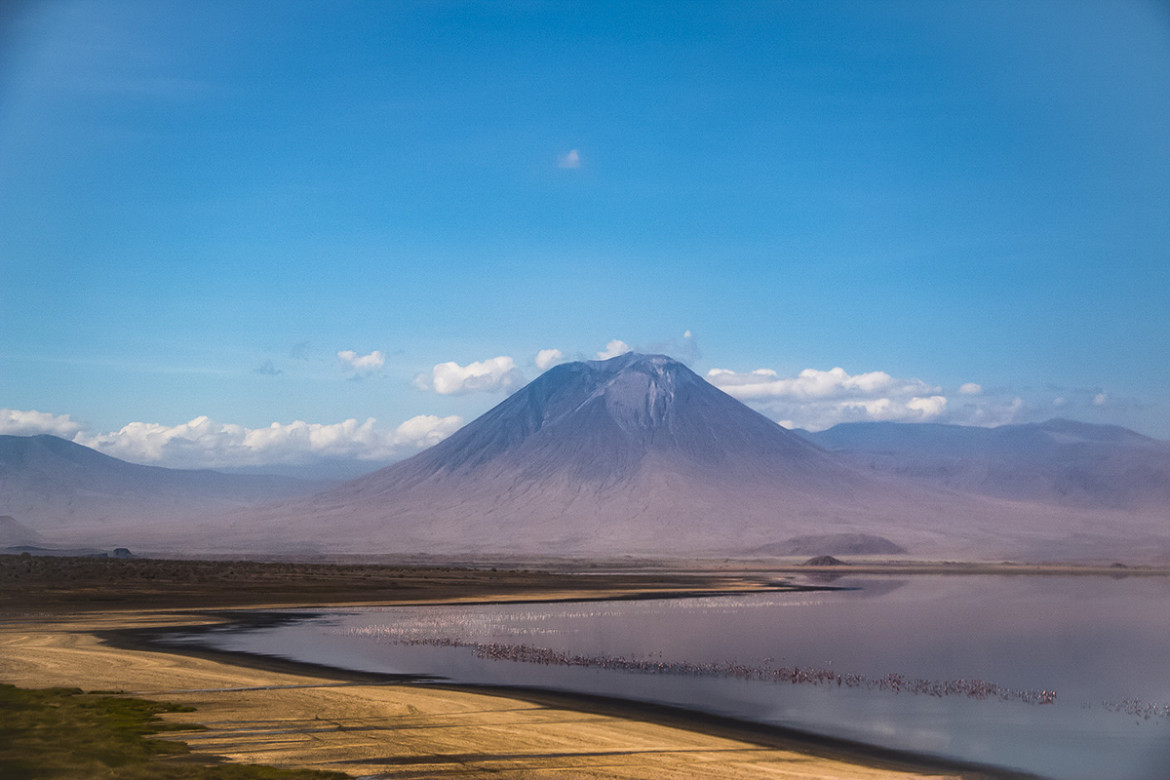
(64, 733)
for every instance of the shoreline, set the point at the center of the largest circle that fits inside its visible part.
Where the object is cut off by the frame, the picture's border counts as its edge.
(761, 734)
(270, 710)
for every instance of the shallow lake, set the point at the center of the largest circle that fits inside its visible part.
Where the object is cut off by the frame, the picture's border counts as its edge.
(1067, 677)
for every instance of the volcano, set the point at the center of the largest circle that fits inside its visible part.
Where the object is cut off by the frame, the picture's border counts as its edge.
(636, 454)
(604, 424)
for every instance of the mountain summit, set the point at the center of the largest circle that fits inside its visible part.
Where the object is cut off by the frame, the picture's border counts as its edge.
(602, 421)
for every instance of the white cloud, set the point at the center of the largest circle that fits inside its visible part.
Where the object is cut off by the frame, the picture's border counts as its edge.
(1100, 399)
(816, 399)
(498, 373)
(613, 349)
(426, 430)
(547, 358)
(929, 408)
(14, 422)
(570, 159)
(811, 383)
(361, 365)
(884, 409)
(204, 443)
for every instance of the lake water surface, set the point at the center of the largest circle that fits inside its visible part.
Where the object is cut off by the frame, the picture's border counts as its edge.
(1067, 677)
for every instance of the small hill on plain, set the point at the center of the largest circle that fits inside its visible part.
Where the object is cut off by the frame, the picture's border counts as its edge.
(833, 544)
(16, 534)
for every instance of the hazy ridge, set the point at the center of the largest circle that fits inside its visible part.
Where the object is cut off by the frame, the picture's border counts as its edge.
(639, 455)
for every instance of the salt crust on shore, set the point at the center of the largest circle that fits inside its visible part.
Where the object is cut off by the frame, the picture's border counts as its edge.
(386, 731)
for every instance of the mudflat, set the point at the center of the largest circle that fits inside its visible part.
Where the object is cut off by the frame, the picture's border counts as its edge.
(268, 712)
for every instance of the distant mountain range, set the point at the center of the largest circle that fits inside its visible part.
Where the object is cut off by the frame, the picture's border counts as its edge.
(639, 455)
(57, 489)
(1060, 462)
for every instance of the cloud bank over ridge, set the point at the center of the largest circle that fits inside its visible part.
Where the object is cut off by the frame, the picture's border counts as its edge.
(813, 398)
(205, 443)
(14, 422)
(817, 399)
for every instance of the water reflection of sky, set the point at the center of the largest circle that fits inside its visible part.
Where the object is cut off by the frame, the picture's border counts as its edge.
(1097, 642)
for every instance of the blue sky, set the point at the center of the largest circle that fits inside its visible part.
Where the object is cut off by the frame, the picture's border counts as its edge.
(302, 213)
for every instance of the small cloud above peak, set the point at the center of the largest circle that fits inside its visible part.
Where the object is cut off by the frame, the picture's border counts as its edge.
(547, 358)
(970, 388)
(613, 349)
(570, 159)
